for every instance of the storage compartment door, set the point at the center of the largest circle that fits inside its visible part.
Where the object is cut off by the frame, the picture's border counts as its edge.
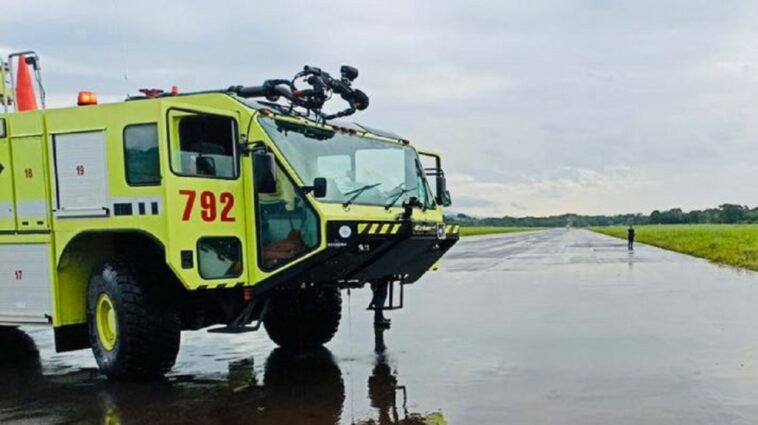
(81, 174)
(25, 283)
(29, 178)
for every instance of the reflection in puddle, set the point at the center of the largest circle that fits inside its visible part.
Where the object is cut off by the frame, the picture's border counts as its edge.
(384, 390)
(296, 388)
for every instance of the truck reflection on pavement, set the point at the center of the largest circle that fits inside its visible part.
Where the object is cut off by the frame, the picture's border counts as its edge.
(296, 388)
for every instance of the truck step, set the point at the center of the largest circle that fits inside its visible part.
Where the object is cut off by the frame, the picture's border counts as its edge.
(240, 324)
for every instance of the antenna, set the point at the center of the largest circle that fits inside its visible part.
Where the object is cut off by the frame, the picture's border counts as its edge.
(120, 36)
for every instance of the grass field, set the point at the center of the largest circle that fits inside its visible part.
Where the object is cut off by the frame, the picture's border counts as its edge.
(477, 231)
(732, 244)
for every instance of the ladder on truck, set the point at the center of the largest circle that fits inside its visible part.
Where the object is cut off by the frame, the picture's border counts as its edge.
(8, 82)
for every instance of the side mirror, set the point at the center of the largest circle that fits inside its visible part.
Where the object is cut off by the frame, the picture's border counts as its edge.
(318, 188)
(443, 195)
(264, 172)
(446, 200)
(205, 166)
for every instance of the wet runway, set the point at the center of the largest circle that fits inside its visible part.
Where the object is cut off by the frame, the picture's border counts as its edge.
(552, 327)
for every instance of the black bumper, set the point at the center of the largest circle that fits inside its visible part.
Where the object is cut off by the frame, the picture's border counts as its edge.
(358, 252)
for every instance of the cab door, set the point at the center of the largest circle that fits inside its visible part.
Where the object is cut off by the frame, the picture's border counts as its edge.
(205, 197)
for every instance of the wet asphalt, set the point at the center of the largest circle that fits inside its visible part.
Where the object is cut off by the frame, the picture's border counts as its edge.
(552, 327)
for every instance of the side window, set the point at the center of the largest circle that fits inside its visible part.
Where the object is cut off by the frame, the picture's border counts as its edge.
(219, 258)
(288, 225)
(141, 155)
(435, 189)
(206, 146)
(424, 191)
(431, 168)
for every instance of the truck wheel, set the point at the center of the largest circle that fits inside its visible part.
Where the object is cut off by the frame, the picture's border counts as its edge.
(19, 350)
(133, 329)
(302, 319)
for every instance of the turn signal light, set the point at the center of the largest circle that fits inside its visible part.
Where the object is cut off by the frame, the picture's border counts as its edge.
(86, 98)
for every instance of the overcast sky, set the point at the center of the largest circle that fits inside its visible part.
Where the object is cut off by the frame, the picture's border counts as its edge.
(539, 107)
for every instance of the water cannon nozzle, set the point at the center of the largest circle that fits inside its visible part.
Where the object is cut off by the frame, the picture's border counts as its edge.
(349, 73)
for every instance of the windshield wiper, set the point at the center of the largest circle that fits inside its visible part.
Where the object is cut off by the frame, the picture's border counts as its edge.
(357, 192)
(398, 196)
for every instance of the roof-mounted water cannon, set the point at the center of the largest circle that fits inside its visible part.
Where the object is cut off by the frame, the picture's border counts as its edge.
(312, 99)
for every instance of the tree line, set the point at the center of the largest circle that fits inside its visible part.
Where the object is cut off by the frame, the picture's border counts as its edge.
(723, 214)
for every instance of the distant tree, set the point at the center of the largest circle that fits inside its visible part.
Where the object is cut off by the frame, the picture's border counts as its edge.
(732, 213)
(725, 213)
(694, 216)
(655, 217)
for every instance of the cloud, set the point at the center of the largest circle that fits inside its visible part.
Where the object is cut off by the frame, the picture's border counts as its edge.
(472, 202)
(570, 189)
(540, 107)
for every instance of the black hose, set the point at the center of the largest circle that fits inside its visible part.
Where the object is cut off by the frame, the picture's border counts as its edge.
(250, 91)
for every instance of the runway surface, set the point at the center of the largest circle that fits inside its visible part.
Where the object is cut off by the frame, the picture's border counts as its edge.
(551, 327)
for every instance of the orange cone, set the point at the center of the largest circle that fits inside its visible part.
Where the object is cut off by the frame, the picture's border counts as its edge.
(25, 97)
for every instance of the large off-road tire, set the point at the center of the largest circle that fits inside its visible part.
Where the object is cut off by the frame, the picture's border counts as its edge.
(134, 328)
(18, 349)
(301, 319)
(20, 367)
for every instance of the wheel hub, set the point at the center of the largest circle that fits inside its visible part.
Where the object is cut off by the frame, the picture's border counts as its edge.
(107, 326)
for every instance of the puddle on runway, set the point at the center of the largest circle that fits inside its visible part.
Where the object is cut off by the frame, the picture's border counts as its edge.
(290, 388)
(667, 340)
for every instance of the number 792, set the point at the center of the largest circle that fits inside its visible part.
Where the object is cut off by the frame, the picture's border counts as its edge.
(209, 205)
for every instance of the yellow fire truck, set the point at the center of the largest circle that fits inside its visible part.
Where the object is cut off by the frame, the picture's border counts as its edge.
(123, 224)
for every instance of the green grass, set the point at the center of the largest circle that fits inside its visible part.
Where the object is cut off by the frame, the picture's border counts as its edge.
(483, 230)
(732, 244)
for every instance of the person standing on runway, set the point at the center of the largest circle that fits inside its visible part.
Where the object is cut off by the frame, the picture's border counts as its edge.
(630, 237)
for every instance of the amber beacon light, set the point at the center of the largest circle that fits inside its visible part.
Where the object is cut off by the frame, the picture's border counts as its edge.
(86, 98)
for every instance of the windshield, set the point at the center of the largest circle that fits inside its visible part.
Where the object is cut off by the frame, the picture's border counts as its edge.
(358, 170)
